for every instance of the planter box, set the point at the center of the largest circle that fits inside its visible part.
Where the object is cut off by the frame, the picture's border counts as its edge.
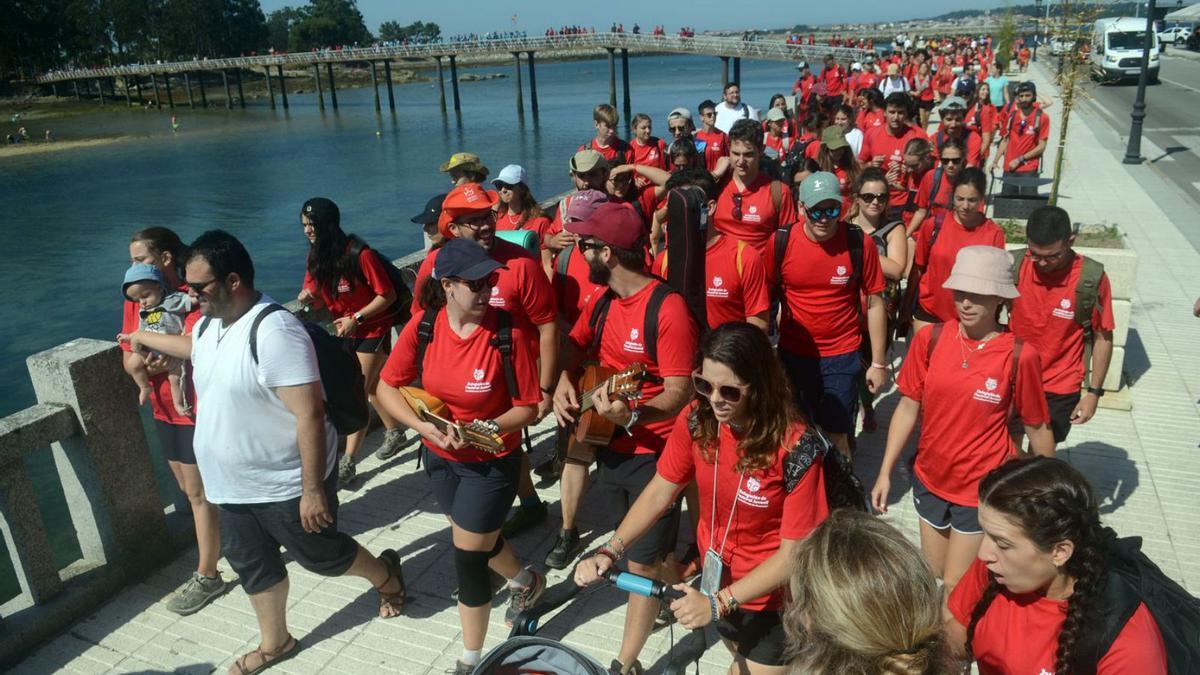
(1017, 206)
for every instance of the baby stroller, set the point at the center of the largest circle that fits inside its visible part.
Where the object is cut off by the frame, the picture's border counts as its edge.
(524, 653)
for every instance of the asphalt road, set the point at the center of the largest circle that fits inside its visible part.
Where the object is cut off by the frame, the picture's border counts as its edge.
(1171, 132)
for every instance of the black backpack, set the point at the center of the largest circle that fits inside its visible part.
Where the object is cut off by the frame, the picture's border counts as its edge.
(855, 239)
(401, 308)
(649, 324)
(843, 490)
(341, 374)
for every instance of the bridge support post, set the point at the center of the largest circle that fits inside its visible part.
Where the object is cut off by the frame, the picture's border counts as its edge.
(228, 95)
(128, 98)
(724, 73)
(517, 82)
(625, 83)
(203, 94)
(167, 84)
(283, 87)
(387, 75)
(737, 70)
(320, 93)
(533, 102)
(441, 84)
(187, 84)
(612, 77)
(241, 94)
(100, 89)
(75, 84)
(54, 89)
(454, 82)
(270, 87)
(375, 86)
(137, 85)
(157, 100)
(332, 84)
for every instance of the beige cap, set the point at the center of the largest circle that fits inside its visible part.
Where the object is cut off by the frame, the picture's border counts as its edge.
(586, 160)
(984, 270)
(776, 115)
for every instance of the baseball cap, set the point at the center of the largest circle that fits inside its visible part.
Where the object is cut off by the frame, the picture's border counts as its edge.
(462, 259)
(612, 223)
(1027, 86)
(833, 138)
(819, 187)
(586, 160)
(139, 272)
(511, 175)
(464, 160)
(985, 270)
(582, 204)
(679, 113)
(433, 209)
(776, 115)
(321, 210)
(464, 199)
(953, 103)
(856, 66)
(801, 65)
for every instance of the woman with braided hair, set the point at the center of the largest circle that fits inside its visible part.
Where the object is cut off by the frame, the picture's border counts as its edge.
(1034, 594)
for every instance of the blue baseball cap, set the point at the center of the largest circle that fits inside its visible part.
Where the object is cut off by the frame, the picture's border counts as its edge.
(139, 272)
(463, 259)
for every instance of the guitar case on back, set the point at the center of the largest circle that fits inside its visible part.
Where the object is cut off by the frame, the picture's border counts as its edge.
(687, 220)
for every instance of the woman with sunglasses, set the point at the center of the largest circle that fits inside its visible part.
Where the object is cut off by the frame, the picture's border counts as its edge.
(870, 215)
(938, 244)
(462, 366)
(936, 190)
(733, 442)
(518, 210)
(343, 275)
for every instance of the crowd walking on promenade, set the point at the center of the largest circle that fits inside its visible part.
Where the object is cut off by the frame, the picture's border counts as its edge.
(708, 317)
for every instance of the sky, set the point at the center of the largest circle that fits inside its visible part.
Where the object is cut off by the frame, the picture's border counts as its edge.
(466, 16)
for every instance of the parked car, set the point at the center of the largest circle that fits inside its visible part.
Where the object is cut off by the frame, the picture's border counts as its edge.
(1175, 35)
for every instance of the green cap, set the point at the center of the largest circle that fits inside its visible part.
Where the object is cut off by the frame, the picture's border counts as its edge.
(833, 137)
(819, 187)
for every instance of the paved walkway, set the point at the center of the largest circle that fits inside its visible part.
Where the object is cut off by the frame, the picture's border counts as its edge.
(1143, 461)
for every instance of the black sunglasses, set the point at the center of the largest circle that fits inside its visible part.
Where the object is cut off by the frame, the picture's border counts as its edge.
(198, 288)
(727, 392)
(478, 285)
(873, 197)
(737, 206)
(585, 246)
(952, 160)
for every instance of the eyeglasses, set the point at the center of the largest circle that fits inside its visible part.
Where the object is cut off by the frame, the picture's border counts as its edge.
(198, 288)
(1049, 257)
(677, 129)
(710, 113)
(477, 285)
(737, 206)
(872, 197)
(478, 222)
(503, 186)
(728, 392)
(828, 213)
(592, 245)
(952, 160)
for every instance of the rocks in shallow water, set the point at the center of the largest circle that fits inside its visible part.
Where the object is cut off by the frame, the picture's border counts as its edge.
(472, 77)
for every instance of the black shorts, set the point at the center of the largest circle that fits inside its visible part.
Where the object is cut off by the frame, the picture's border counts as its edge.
(622, 479)
(922, 314)
(925, 105)
(941, 514)
(758, 635)
(476, 495)
(176, 441)
(251, 535)
(372, 345)
(1061, 406)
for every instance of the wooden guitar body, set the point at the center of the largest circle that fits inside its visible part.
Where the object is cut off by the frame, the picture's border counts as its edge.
(592, 427)
(431, 409)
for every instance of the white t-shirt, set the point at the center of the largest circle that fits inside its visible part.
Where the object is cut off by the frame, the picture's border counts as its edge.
(727, 115)
(855, 138)
(245, 438)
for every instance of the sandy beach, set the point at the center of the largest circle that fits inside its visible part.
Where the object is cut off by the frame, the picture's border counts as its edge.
(40, 147)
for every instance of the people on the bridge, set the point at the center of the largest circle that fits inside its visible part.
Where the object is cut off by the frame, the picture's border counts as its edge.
(733, 441)
(161, 249)
(732, 108)
(1038, 589)
(1023, 137)
(613, 149)
(347, 277)
(1065, 310)
(264, 444)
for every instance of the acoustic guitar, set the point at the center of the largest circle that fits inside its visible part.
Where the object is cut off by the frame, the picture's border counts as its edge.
(592, 427)
(431, 409)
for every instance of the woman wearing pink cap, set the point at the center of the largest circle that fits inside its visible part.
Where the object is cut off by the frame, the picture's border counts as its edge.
(964, 379)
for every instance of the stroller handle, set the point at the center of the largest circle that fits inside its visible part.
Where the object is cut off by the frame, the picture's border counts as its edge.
(649, 588)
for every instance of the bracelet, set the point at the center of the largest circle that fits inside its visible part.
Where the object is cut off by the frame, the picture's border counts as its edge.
(616, 540)
(547, 391)
(730, 603)
(357, 316)
(714, 608)
(1096, 391)
(878, 365)
(608, 553)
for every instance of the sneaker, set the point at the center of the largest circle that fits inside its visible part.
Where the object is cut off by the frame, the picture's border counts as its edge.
(393, 440)
(460, 668)
(564, 551)
(634, 669)
(196, 593)
(496, 579)
(522, 519)
(346, 470)
(521, 599)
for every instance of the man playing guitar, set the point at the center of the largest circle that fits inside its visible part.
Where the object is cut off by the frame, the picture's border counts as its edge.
(615, 332)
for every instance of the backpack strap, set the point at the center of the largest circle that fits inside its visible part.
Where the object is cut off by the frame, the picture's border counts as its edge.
(855, 239)
(269, 309)
(503, 343)
(938, 220)
(425, 336)
(781, 244)
(563, 261)
(940, 140)
(1087, 294)
(777, 196)
(202, 326)
(1018, 345)
(650, 323)
(597, 320)
(933, 340)
(809, 449)
(937, 185)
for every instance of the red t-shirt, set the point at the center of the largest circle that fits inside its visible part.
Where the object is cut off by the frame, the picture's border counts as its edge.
(617, 152)
(759, 218)
(352, 295)
(467, 374)
(944, 80)
(834, 79)
(736, 284)
(939, 262)
(1023, 137)
(523, 288)
(512, 221)
(1044, 316)
(869, 119)
(573, 289)
(653, 153)
(945, 193)
(623, 344)
(780, 145)
(867, 81)
(880, 141)
(764, 512)
(965, 411)
(1018, 634)
(716, 146)
(973, 146)
(822, 303)
(981, 118)
(161, 402)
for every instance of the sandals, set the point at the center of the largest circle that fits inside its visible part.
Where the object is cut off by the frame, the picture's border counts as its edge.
(287, 651)
(394, 600)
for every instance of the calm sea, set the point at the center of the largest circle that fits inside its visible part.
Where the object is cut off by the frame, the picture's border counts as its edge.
(67, 216)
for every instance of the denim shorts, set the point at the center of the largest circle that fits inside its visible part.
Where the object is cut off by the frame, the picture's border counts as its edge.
(825, 388)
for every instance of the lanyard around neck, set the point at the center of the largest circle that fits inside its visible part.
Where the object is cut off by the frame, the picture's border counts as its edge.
(712, 528)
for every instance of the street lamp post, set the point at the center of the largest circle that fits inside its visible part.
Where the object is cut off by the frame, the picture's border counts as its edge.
(1037, 14)
(1133, 152)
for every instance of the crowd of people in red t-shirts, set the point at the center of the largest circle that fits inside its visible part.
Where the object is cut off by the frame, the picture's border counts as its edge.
(709, 316)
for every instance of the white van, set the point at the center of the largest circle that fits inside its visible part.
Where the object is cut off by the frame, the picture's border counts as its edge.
(1117, 44)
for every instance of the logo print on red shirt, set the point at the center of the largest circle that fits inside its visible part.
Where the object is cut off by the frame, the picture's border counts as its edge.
(1063, 311)
(988, 393)
(632, 345)
(478, 386)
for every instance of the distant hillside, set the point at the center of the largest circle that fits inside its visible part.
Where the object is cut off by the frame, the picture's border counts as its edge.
(1115, 9)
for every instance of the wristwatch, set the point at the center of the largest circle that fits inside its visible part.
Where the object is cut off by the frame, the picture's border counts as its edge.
(633, 418)
(358, 317)
(1098, 391)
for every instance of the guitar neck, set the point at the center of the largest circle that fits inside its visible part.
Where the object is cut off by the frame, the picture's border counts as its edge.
(586, 402)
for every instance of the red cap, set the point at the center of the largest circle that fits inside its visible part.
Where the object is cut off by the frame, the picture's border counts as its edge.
(615, 223)
(462, 200)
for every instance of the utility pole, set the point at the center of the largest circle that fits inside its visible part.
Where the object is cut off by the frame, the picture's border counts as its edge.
(1133, 152)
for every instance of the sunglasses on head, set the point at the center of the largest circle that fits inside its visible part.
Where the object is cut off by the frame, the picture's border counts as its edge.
(737, 206)
(478, 285)
(827, 213)
(873, 197)
(727, 392)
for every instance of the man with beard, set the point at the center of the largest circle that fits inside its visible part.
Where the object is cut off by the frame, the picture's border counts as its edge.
(638, 320)
(1023, 138)
(731, 108)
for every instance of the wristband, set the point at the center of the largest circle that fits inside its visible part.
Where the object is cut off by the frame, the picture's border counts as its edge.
(608, 553)
(1096, 391)
(714, 608)
(878, 365)
(547, 391)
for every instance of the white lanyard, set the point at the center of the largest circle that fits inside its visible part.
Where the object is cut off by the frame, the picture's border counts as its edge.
(712, 530)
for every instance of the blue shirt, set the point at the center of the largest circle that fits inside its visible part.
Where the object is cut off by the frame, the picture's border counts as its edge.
(997, 85)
